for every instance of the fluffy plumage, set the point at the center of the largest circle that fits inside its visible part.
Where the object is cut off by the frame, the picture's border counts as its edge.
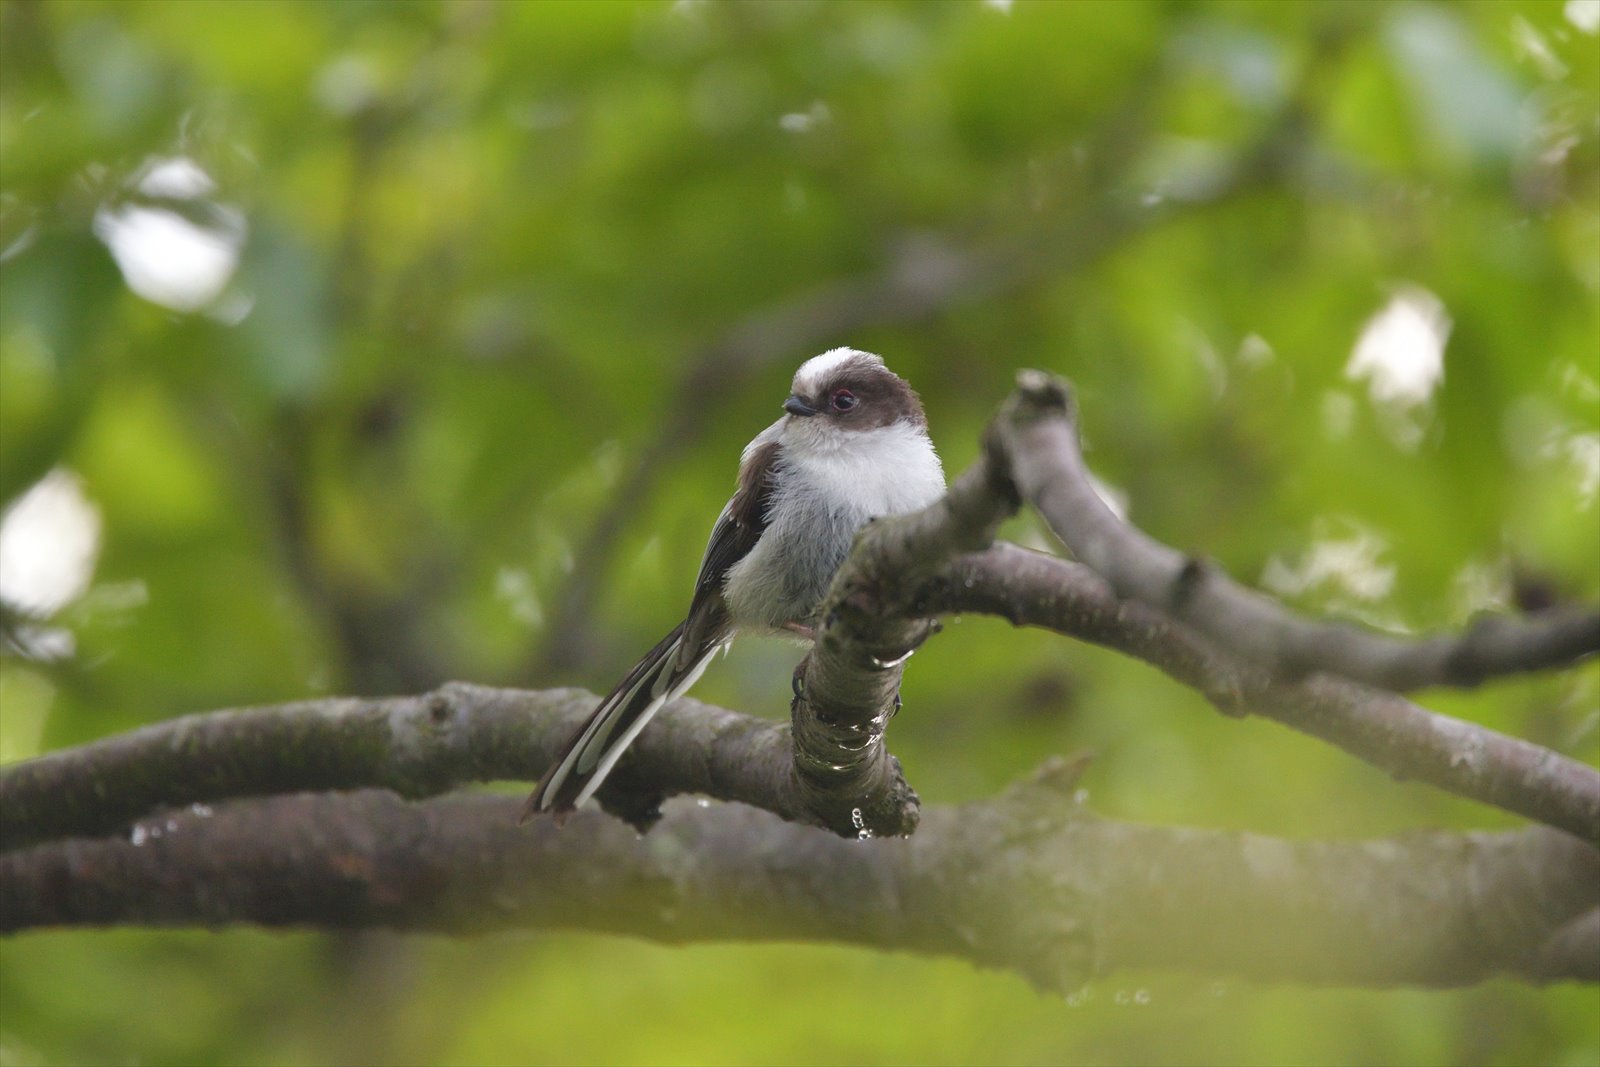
(853, 446)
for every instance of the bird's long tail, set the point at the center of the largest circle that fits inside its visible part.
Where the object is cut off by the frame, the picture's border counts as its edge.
(594, 747)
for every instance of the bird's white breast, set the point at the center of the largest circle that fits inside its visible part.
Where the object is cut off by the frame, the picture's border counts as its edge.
(831, 483)
(885, 471)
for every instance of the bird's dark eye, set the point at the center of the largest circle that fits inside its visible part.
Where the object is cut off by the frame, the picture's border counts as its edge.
(842, 400)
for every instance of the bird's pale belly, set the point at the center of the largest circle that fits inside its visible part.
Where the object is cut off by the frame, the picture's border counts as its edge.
(785, 577)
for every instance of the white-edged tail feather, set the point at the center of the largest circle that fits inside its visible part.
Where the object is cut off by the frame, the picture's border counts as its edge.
(594, 749)
(614, 751)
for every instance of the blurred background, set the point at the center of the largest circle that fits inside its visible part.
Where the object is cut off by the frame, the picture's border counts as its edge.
(351, 347)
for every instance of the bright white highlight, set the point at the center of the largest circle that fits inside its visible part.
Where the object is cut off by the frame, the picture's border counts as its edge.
(164, 255)
(1116, 500)
(1345, 568)
(167, 259)
(1400, 357)
(1400, 353)
(179, 178)
(1581, 452)
(1584, 14)
(49, 541)
(1350, 565)
(805, 121)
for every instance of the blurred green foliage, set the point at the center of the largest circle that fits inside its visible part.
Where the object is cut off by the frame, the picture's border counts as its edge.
(487, 254)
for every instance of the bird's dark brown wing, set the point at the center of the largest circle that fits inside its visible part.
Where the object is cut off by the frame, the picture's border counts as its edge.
(674, 664)
(737, 530)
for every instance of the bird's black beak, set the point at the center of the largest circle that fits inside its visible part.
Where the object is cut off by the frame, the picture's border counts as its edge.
(797, 406)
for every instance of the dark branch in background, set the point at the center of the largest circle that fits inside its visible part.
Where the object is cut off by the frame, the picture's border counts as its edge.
(1060, 896)
(380, 645)
(376, 633)
(1049, 470)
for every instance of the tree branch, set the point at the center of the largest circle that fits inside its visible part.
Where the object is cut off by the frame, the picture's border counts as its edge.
(1047, 464)
(1384, 729)
(1027, 882)
(893, 578)
(417, 746)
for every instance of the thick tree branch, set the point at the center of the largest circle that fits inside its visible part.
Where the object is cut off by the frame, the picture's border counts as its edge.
(1047, 465)
(417, 746)
(1027, 882)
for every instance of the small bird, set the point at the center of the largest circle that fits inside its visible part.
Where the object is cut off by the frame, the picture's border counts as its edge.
(853, 445)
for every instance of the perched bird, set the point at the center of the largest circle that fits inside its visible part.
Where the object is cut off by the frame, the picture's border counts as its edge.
(853, 445)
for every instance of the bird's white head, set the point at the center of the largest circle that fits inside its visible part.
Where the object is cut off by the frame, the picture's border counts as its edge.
(847, 391)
